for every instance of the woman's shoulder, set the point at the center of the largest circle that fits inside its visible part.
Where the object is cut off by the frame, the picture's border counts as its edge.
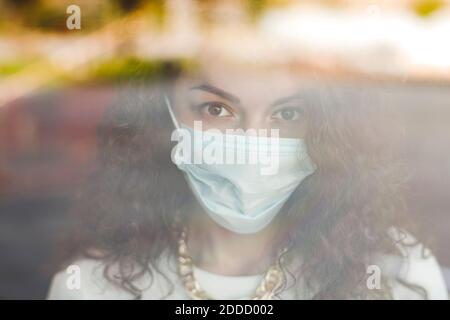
(415, 267)
(84, 279)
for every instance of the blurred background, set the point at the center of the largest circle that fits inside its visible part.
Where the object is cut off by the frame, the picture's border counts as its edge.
(55, 84)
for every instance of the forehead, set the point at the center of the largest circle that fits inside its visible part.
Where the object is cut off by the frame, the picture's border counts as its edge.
(249, 83)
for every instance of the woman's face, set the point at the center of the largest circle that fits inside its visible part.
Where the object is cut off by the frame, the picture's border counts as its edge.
(227, 98)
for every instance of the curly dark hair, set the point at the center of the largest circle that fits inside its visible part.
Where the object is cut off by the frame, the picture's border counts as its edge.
(336, 220)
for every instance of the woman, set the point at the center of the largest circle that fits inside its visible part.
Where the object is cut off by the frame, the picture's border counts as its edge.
(328, 223)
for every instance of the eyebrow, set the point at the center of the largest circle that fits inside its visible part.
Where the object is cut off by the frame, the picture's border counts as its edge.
(287, 99)
(219, 92)
(230, 97)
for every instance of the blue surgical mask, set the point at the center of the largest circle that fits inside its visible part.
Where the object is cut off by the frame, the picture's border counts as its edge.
(241, 197)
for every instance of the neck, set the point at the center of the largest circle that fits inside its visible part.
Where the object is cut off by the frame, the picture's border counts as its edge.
(216, 249)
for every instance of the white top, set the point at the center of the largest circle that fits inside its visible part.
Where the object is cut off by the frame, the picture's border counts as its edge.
(412, 268)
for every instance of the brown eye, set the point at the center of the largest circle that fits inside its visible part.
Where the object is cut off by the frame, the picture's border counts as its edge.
(216, 109)
(287, 114)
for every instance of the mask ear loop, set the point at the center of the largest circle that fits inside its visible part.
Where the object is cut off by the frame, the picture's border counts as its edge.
(176, 225)
(172, 115)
